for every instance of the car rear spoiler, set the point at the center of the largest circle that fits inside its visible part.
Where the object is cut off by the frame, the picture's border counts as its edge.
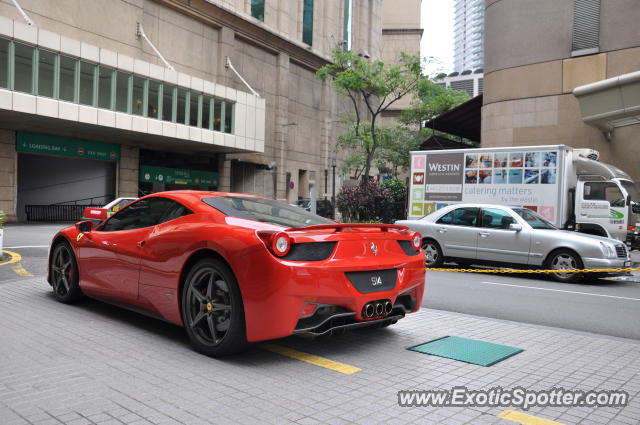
(338, 227)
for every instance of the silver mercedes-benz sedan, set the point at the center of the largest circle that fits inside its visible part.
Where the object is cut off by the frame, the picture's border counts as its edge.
(513, 237)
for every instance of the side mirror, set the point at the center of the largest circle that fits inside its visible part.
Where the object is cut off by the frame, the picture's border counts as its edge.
(515, 226)
(85, 226)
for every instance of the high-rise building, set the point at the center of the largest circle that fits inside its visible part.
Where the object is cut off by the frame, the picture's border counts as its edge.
(468, 35)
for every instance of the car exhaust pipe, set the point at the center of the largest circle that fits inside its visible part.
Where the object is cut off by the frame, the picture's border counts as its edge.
(369, 310)
(388, 307)
(379, 309)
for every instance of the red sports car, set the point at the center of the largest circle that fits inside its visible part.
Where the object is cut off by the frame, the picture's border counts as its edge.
(234, 268)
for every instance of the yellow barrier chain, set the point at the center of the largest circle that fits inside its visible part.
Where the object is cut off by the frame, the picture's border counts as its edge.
(539, 271)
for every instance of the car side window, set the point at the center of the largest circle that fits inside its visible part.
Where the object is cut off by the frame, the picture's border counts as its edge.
(494, 218)
(466, 216)
(144, 213)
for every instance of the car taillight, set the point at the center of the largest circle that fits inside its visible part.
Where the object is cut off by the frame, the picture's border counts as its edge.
(632, 228)
(280, 244)
(416, 240)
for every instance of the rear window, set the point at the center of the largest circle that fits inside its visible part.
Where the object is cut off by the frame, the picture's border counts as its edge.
(265, 210)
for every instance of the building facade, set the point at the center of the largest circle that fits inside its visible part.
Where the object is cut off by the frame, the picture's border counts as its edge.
(537, 53)
(468, 32)
(89, 110)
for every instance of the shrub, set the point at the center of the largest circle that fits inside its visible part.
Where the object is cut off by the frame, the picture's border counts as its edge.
(366, 202)
(3, 218)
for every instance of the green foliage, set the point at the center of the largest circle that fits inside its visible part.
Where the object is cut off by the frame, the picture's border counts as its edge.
(393, 156)
(397, 188)
(432, 100)
(369, 202)
(3, 218)
(372, 87)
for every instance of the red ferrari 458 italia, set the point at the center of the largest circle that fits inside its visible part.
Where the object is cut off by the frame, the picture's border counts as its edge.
(235, 269)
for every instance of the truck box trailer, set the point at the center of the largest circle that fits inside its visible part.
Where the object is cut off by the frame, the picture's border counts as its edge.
(569, 187)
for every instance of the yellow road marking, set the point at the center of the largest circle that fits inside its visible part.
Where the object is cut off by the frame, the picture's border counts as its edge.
(523, 418)
(312, 359)
(15, 257)
(17, 267)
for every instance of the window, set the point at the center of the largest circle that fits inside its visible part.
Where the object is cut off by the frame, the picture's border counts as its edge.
(228, 117)
(168, 96)
(347, 25)
(604, 191)
(46, 68)
(257, 9)
(23, 80)
(307, 22)
(4, 63)
(533, 219)
(217, 114)
(67, 90)
(467, 216)
(144, 213)
(105, 86)
(265, 210)
(181, 111)
(494, 218)
(194, 99)
(206, 112)
(137, 98)
(122, 92)
(87, 74)
(586, 27)
(153, 99)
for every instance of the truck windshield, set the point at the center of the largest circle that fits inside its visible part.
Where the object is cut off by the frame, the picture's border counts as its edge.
(533, 219)
(265, 210)
(631, 189)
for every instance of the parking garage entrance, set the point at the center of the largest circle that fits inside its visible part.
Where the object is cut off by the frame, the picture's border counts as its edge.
(58, 176)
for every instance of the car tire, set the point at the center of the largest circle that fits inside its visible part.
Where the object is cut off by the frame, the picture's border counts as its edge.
(63, 272)
(432, 253)
(565, 259)
(212, 309)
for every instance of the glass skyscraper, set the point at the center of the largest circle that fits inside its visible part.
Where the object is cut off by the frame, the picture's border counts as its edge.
(469, 35)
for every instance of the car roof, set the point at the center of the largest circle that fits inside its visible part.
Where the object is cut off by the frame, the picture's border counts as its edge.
(451, 206)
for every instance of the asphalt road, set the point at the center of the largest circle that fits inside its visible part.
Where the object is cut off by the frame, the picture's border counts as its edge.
(605, 306)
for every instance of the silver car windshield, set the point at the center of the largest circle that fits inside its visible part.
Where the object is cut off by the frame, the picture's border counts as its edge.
(533, 219)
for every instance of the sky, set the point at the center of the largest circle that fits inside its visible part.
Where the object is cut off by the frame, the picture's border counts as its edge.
(437, 39)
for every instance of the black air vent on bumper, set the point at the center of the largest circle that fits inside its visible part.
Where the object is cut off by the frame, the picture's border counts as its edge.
(310, 251)
(408, 248)
(621, 250)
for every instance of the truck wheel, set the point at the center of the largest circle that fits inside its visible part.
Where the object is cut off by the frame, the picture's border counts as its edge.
(432, 253)
(564, 259)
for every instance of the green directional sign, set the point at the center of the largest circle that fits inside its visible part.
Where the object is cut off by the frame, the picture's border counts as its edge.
(178, 176)
(49, 144)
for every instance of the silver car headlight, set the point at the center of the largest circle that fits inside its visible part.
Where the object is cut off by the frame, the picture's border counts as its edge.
(608, 250)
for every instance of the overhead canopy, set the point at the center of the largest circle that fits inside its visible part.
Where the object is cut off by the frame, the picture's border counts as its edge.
(435, 143)
(610, 103)
(463, 120)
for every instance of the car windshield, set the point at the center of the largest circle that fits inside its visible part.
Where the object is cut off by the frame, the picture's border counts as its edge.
(632, 190)
(533, 219)
(265, 210)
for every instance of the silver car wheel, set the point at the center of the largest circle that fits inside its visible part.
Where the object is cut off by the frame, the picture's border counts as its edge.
(431, 255)
(564, 261)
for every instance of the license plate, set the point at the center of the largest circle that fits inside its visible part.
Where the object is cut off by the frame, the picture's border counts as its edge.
(627, 264)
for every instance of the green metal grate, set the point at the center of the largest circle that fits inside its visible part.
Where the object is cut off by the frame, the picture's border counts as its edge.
(467, 350)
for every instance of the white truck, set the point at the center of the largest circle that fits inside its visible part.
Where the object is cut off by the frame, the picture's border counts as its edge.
(567, 186)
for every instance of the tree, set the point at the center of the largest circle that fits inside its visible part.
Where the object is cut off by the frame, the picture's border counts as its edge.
(372, 87)
(394, 155)
(431, 101)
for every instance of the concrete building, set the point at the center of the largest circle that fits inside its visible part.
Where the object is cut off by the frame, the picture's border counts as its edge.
(89, 110)
(537, 53)
(468, 31)
(470, 81)
(401, 33)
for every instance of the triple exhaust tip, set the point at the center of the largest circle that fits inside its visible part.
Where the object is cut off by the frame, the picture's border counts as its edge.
(377, 308)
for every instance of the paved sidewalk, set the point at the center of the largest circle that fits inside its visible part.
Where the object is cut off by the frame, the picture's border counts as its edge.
(94, 363)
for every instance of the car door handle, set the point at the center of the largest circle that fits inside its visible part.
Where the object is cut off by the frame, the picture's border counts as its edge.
(442, 230)
(484, 234)
(141, 244)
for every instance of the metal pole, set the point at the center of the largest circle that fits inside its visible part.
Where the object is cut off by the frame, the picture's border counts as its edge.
(333, 190)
